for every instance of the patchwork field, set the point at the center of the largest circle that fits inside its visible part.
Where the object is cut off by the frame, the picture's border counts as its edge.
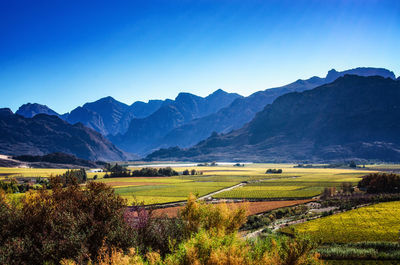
(378, 222)
(171, 192)
(293, 183)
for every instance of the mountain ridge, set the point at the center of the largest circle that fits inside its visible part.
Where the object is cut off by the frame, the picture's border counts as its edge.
(44, 134)
(242, 110)
(351, 118)
(29, 110)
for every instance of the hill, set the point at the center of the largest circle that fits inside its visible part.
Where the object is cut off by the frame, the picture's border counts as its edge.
(44, 134)
(352, 118)
(58, 159)
(242, 110)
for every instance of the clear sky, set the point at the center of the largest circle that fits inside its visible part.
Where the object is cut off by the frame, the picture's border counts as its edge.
(65, 53)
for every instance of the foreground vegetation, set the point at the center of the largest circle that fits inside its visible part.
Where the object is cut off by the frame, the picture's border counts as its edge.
(73, 225)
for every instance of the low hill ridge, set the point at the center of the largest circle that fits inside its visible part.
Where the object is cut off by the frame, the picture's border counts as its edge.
(45, 134)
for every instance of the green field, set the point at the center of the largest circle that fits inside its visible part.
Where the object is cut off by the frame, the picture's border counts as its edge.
(378, 222)
(295, 183)
(171, 192)
(259, 192)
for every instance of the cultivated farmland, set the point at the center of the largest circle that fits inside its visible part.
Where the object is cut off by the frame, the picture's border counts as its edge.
(378, 222)
(292, 183)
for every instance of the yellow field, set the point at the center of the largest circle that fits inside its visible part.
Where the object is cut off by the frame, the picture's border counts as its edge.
(378, 222)
(29, 172)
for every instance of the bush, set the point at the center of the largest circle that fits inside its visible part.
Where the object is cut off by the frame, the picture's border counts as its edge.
(151, 232)
(13, 187)
(214, 218)
(143, 172)
(69, 222)
(273, 171)
(380, 183)
(91, 226)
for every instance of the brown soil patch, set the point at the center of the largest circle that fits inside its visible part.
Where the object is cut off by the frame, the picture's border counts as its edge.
(252, 207)
(124, 183)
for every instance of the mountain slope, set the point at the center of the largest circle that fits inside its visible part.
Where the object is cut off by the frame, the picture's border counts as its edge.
(29, 110)
(142, 134)
(352, 118)
(242, 110)
(45, 134)
(109, 116)
(102, 115)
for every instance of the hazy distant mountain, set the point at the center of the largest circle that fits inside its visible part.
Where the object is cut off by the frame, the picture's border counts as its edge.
(45, 134)
(361, 71)
(142, 134)
(29, 110)
(242, 110)
(352, 118)
(109, 116)
(139, 110)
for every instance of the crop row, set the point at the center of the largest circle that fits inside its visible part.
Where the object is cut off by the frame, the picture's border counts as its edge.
(259, 192)
(379, 222)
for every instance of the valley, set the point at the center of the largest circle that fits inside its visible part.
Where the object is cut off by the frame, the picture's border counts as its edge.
(200, 132)
(288, 202)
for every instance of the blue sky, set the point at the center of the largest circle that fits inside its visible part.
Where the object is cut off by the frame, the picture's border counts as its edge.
(65, 53)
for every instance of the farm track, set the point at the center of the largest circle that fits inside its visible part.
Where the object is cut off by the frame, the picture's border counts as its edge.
(181, 203)
(222, 190)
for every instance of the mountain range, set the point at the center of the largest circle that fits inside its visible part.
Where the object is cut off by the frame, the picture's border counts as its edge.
(242, 110)
(142, 128)
(354, 117)
(144, 134)
(106, 115)
(44, 134)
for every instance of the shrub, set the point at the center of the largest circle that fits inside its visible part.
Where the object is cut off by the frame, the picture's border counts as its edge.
(380, 183)
(155, 233)
(143, 172)
(273, 171)
(214, 218)
(71, 177)
(71, 223)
